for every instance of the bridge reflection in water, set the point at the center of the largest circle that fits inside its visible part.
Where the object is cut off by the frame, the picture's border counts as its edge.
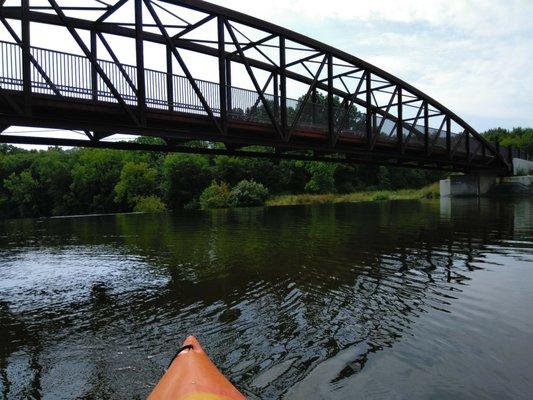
(287, 300)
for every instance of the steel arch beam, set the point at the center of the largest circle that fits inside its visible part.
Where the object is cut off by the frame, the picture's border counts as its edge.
(465, 152)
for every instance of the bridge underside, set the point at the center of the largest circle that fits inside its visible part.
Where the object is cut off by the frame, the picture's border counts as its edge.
(303, 99)
(102, 120)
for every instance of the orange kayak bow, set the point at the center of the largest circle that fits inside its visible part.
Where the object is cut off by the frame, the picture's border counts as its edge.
(193, 376)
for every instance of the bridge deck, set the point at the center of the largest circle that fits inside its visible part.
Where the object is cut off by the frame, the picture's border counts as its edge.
(66, 96)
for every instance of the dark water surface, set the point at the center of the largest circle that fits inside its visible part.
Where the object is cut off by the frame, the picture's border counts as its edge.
(399, 300)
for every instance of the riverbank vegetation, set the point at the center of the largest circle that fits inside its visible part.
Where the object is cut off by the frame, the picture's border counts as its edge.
(92, 181)
(521, 138)
(428, 192)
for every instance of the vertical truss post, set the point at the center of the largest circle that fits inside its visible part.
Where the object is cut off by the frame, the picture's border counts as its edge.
(26, 58)
(314, 100)
(94, 73)
(467, 145)
(399, 123)
(170, 81)
(283, 85)
(331, 115)
(426, 128)
(139, 52)
(368, 109)
(449, 137)
(229, 104)
(276, 96)
(223, 94)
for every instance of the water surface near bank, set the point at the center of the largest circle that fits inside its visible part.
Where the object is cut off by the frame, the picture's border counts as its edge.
(386, 300)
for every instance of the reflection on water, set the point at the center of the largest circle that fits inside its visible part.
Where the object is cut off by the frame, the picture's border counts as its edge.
(376, 301)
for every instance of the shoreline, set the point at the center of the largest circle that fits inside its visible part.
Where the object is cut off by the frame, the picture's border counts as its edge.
(428, 192)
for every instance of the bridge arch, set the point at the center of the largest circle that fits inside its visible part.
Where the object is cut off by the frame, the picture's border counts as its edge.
(268, 86)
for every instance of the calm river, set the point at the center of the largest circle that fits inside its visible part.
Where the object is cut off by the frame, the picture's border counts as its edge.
(394, 300)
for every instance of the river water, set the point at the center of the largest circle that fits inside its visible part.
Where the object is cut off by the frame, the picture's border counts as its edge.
(393, 300)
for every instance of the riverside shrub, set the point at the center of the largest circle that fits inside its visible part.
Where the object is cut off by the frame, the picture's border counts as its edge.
(217, 195)
(150, 204)
(248, 194)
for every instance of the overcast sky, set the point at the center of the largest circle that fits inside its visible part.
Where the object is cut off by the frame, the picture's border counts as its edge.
(474, 56)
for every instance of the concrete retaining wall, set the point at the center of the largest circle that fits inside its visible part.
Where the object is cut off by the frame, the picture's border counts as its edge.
(522, 167)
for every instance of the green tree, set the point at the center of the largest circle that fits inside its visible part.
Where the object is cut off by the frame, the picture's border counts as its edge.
(344, 176)
(322, 178)
(94, 177)
(230, 169)
(521, 138)
(53, 171)
(136, 180)
(185, 177)
(24, 192)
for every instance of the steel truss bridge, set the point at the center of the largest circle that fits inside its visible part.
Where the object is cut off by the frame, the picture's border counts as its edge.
(266, 86)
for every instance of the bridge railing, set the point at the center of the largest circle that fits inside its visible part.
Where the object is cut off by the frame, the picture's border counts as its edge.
(72, 76)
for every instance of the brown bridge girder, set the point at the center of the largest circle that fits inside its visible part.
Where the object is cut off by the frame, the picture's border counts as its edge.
(418, 148)
(76, 114)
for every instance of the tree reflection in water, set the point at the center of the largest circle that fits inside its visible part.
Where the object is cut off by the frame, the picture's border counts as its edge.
(274, 294)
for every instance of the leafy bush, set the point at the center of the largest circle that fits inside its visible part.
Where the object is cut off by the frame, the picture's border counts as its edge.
(215, 196)
(248, 194)
(150, 204)
(322, 179)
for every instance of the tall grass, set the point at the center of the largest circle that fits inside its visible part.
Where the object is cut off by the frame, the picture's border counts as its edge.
(428, 192)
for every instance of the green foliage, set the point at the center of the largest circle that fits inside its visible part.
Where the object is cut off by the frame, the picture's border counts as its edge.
(137, 180)
(248, 194)
(185, 177)
(230, 169)
(24, 191)
(381, 196)
(78, 181)
(94, 177)
(149, 204)
(244, 194)
(217, 195)
(322, 178)
(518, 137)
(430, 192)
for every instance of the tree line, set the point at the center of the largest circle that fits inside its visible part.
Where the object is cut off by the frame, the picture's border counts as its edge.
(56, 181)
(521, 138)
(42, 183)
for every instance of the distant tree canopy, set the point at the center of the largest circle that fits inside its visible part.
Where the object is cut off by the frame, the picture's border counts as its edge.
(518, 137)
(78, 181)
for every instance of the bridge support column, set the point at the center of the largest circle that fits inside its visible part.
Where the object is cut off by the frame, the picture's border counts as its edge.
(471, 185)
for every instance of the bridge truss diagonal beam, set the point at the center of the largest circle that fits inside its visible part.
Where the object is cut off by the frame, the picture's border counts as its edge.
(363, 106)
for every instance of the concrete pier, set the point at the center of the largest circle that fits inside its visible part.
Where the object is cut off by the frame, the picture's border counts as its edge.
(478, 185)
(467, 185)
